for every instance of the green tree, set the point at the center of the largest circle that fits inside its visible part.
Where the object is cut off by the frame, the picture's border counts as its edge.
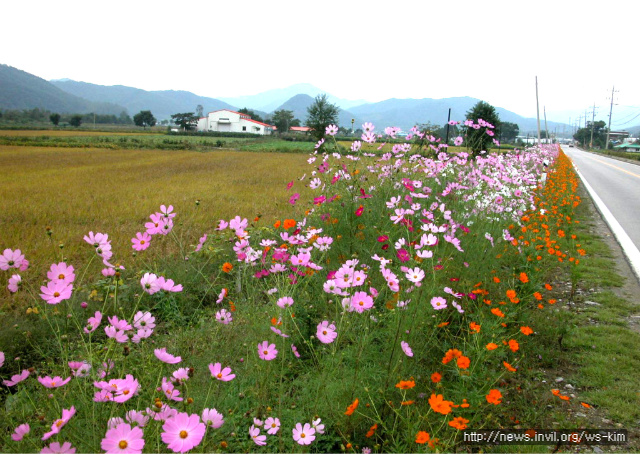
(199, 111)
(583, 135)
(124, 118)
(508, 131)
(321, 114)
(186, 121)
(55, 118)
(283, 120)
(478, 139)
(75, 120)
(144, 118)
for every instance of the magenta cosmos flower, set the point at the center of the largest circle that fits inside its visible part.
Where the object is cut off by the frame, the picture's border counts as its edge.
(93, 322)
(182, 432)
(56, 291)
(20, 432)
(57, 448)
(168, 285)
(285, 301)
(254, 433)
(15, 379)
(304, 435)
(224, 317)
(221, 374)
(54, 382)
(11, 259)
(272, 425)
(326, 332)
(212, 418)
(1, 358)
(162, 355)
(267, 351)
(123, 439)
(141, 242)
(331, 130)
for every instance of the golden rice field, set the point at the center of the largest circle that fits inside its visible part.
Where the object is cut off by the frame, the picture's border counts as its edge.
(75, 191)
(66, 133)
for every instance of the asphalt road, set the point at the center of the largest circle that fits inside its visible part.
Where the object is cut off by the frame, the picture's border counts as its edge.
(617, 183)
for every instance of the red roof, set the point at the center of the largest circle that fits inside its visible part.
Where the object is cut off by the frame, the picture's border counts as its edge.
(244, 116)
(300, 128)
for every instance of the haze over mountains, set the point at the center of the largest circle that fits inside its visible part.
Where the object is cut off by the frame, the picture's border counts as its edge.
(21, 90)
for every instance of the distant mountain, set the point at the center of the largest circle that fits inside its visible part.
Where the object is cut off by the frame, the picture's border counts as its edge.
(634, 130)
(20, 90)
(299, 104)
(162, 104)
(406, 113)
(271, 100)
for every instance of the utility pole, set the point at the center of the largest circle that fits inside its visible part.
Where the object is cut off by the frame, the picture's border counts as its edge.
(448, 120)
(593, 119)
(538, 110)
(545, 123)
(606, 145)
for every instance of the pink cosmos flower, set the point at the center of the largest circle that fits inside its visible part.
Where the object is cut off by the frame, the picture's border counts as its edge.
(11, 259)
(123, 439)
(97, 240)
(212, 418)
(183, 432)
(55, 292)
(141, 334)
(60, 423)
(61, 272)
(294, 198)
(331, 130)
(20, 432)
(304, 435)
(54, 382)
(279, 332)
(326, 332)
(168, 285)
(150, 284)
(181, 375)
(79, 369)
(272, 425)
(120, 389)
(170, 391)
(144, 320)
(267, 351)
(119, 324)
(221, 374)
(1, 359)
(167, 212)
(15, 379)
(162, 355)
(164, 414)
(415, 275)
(285, 301)
(137, 417)
(361, 301)
(141, 242)
(93, 322)
(438, 303)
(406, 349)
(294, 349)
(15, 281)
(222, 295)
(57, 448)
(458, 141)
(258, 439)
(224, 316)
(318, 426)
(114, 333)
(25, 265)
(112, 423)
(155, 227)
(108, 272)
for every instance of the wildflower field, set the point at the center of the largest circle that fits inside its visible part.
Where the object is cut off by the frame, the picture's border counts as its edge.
(385, 306)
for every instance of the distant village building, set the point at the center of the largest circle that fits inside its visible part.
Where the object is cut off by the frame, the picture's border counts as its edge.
(231, 121)
(300, 129)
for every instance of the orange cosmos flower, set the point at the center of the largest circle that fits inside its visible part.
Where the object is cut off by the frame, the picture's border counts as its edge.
(513, 345)
(474, 327)
(436, 377)
(494, 397)
(511, 294)
(585, 405)
(547, 286)
(440, 325)
(407, 402)
(463, 362)
(422, 437)
(464, 403)
(537, 295)
(277, 224)
(509, 366)
(552, 301)
(372, 430)
(408, 384)
(497, 311)
(288, 223)
(459, 423)
(227, 267)
(524, 278)
(451, 354)
(526, 330)
(351, 408)
(496, 279)
(491, 346)
(439, 405)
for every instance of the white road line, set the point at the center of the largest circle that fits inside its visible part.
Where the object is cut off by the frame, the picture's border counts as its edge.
(630, 250)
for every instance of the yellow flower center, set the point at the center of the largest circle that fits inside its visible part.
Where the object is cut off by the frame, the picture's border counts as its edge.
(302, 435)
(266, 352)
(61, 276)
(361, 303)
(183, 434)
(56, 294)
(219, 375)
(324, 332)
(123, 444)
(142, 241)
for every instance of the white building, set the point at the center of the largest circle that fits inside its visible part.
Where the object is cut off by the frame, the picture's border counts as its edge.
(231, 121)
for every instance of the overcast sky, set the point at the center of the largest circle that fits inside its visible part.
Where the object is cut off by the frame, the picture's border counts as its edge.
(351, 49)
